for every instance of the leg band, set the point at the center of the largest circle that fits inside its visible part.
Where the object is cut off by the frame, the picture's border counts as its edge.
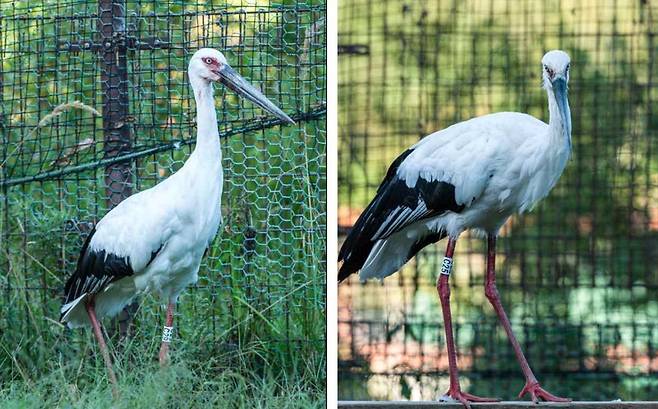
(166, 334)
(446, 266)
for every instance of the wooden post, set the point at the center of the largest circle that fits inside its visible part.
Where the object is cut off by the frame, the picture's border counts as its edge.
(116, 132)
(114, 86)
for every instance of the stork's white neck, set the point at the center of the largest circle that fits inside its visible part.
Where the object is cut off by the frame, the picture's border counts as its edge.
(559, 128)
(207, 140)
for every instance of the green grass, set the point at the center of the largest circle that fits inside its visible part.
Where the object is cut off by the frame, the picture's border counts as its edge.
(142, 384)
(248, 362)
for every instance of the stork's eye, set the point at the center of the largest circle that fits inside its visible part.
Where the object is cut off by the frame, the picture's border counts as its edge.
(548, 71)
(207, 60)
(568, 65)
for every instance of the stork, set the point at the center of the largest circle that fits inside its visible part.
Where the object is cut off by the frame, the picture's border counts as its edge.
(472, 175)
(154, 240)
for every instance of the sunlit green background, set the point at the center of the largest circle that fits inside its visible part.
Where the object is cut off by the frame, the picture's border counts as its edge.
(578, 274)
(260, 299)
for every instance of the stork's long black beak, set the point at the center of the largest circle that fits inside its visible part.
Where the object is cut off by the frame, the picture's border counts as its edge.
(239, 85)
(560, 89)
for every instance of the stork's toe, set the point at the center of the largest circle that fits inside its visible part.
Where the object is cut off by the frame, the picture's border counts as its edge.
(537, 394)
(465, 398)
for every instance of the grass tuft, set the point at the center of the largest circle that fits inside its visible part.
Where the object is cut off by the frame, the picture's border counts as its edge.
(147, 386)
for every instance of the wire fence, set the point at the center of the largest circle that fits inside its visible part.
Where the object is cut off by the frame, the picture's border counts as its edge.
(577, 275)
(263, 280)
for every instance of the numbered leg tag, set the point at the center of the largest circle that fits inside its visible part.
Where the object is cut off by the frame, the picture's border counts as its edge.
(166, 334)
(446, 266)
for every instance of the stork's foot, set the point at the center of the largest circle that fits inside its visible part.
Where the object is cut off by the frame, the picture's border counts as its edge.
(537, 393)
(464, 397)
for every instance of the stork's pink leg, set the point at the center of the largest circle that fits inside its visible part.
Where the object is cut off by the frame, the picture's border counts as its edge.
(166, 335)
(101, 342)
(531, 384)
(443, 287)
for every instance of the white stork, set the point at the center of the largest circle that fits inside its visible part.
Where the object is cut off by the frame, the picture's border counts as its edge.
(154, 240)
(471, 175)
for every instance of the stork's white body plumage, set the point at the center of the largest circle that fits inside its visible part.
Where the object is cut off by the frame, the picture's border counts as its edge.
(154, 240)
(500, 164)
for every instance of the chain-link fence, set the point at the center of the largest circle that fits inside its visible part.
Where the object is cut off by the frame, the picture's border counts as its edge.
(577, 275)
(263, 280)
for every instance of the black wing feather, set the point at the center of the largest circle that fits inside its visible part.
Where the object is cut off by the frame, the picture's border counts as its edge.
(96, 270)
(424, 241)
(395, 207)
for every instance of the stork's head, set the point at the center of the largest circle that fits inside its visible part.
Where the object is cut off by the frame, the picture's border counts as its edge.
(555, 67)
(209, 65)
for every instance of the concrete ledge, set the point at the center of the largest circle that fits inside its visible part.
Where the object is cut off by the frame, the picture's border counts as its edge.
(496, 405)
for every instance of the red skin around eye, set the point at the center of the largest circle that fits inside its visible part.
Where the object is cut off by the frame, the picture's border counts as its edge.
(212, 63)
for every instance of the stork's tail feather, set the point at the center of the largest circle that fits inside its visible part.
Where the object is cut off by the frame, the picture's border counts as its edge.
(391, 254)
(107, 303)
(385, 257)
(67, 308)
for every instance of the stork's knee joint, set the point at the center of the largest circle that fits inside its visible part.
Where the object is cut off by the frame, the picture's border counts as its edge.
(491, 291)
